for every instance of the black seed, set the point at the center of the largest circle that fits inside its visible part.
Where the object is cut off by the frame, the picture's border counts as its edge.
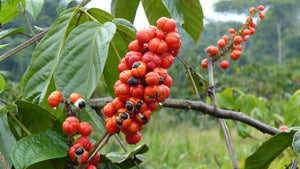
(79, 151)
(139, 105)
(136, 64)
(124, 116)
(161, 80)
(133, 81)
(119, 123)
(145, 120)
(72, 114)
(81, 104)
(129, 106)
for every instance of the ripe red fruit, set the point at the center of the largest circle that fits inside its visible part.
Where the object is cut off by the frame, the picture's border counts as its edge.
(85, 128)
(161, 71)
(138, 69)
(74, 97)
(152, 106)
(109, 110)
(231, 30)
(163, 93)
(143, 117)
(208, 49)
(134, 127)
(152, 78)
(132, 57)
(166, 24)
(167, 60)
(55, 98)
(246, 32)
(95, 159)
(238, 47)
(245, 38)
(235, 54)
(123, 92)
(133, 138)
(125, 75)
(226, 38)
(117, 103)
(224, 64)
(151, 60)
(70, 125)
(261, 8)
(238, 39)
(252, 10)
(73, 149)
(204, 63)
(252, 30)
(160, 34)
(283, 128)
(214, 50)
(157, 45)
(144, 35)
(91, 167)
(173, 41)
(111, 125)
(168, 81)
(261, 16)
(85, 142)
(221, 43)
(135, 46)
(123, 65)
(137, 91)
(83, 158)
(150, 93)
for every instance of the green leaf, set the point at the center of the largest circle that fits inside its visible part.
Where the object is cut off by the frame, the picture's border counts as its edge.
(62, 6)
(188, 14)
(246, 103)
(8, 12)
(9, 32)
(154, 10)
(40, 29)
(123, 160)
(34, 7)
(242, 130)
(57, 163)
(46, 55)
(106, 163)
(13, 2)
(269, 150)
(31, 114)
(40, 147)
(127, 24)
(2, 83)
(2, 46)
(200, 82)
(296, 142)
(225, 99)
(84, 58)
(7, 140)
(125, 9)
(292, 110)
(101, 15)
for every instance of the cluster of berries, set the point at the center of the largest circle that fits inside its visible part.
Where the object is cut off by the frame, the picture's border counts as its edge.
(233, 44)
(71, 126)
(143, 80)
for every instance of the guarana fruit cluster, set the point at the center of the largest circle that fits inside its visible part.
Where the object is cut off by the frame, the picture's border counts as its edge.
(143, 79)
(233, 44)
(71, 126)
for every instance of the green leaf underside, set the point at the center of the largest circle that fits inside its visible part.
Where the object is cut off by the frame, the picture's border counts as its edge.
(123, 160)
(34, 7)
(125, 9)
(118, 46)
(200, 82)
(83, 59)
(44, 59)
(296, 142)
(225, 99)
(106, 163)
(269, 150)
(40, 147)
(2, 83)
(7, 140)
(292, 110)
(31, 114)
(9, 32)
(8, 12)
(62, 6)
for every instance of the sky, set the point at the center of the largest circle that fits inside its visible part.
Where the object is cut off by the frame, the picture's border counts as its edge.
(141, 21)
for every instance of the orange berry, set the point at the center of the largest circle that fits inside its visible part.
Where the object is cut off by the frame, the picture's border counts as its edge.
(166, 24)
(135, 46)
(224, 64)
(74, 97)
(160, 34)
(252, 10)
(238, 39)
(261, 16)
(238, 47)
(252, 30)
(152, 60)
(204, 63)
(226, 38)
(70, 125)
(246, 32)
(109, 110)
(167, 60)
(221, 43)
(231, 30)
(208, 49)
(55, 98)
(235, 54)
(85, 128)
(152, 78)
(86, 143)
(283, 128)
(214, 50)
(261, 8)
(133, 138)
(173, 41)
(145, 35)
(245, 38)
(123, 65)
(157, 45)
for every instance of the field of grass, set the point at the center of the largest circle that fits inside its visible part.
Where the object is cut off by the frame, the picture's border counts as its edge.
(181, 145)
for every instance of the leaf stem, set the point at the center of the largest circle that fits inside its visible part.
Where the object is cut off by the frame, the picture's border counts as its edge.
(11, 115)
(3, 161)
(211, 93)
(27, 20)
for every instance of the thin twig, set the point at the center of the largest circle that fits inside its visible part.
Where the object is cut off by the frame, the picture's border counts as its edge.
(3, 161)
(294, 164)
(27, 20)
(222, 122)
(23, 45)
(190, 74)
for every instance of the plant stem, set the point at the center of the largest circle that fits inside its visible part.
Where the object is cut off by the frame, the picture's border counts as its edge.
(294, 164)
(3, 161)
(27, 20)
(211, 93)
(23, 45)
(11, 115)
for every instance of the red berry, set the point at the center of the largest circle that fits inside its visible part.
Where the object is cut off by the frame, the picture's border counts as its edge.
(238, 39)
(235, 54)
(125, 75)
(138, 69)
(123, 65)
(231, 30)
(252, 10)
(55, 98)
(133, 138)
(83, 158)
(85, 128)
(95, 159)
(168, 81)
(224, 64)
(151, 60)
(261, 16)
(173, 41)
(85, 142)
(73, 149)
(204, 63)
(166, 24)
(157, 45)
(117, 103)
(152, 78)
(150, 93)
(144, 35)
(152, 106)
(111, 125)
(238, 47)
(135, 46)
(252, 30)
(132, 57)
(74, 97)
(167, 60)
(226, 38)
(123, 92)
(137, 91)
(246, 32)
(70, 125)
(221, 43)
(109, 110)
(91, 167)
(283, 128)
(214, 50)
(261, 8)
(160, 34)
